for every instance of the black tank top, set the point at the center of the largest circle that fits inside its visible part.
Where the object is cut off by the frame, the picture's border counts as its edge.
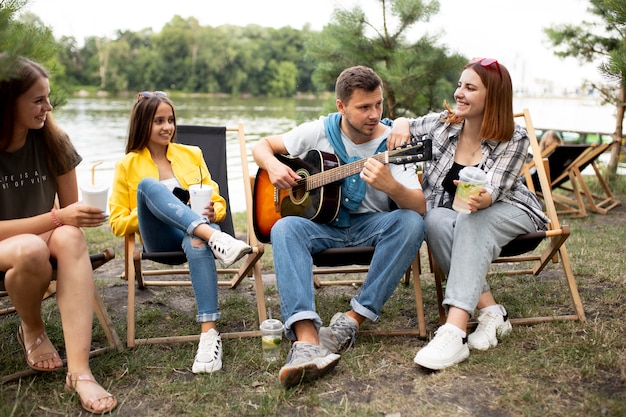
(453, 174)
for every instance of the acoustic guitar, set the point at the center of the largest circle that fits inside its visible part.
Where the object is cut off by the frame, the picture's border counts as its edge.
(317, 196)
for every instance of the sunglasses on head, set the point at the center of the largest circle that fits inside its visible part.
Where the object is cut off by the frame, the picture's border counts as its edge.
(487, 63)
(149, 94)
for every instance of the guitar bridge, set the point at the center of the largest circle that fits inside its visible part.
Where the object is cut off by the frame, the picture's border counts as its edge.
(276, 200)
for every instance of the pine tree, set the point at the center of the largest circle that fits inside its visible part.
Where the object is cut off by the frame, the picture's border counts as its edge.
(24, 36)
(605, 39)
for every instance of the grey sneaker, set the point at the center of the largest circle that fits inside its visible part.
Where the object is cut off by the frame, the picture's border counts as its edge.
(491, 326)
(306, 362)
(209, 356)
(228, 249)
(340, 334)
(445, 349)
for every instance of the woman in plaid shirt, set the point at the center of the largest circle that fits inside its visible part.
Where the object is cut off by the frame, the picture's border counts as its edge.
(480, 132)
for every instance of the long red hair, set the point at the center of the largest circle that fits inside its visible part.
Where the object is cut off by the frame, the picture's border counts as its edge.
(498, 122)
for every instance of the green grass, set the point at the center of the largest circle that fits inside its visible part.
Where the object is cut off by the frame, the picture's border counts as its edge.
(556, 369)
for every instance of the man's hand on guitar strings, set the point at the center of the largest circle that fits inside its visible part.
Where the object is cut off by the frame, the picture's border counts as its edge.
(281, 175)
(377, 174)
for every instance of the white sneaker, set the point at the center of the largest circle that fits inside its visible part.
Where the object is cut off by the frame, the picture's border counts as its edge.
(228, 249)
(490, 326)
(445, 349)
(209, 356)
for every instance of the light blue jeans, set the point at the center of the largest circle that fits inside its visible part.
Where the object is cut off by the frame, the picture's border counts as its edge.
(397, 236)
(464, 245)
(166, 224)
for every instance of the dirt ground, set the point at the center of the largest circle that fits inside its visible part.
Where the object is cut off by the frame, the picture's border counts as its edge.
(457, 390)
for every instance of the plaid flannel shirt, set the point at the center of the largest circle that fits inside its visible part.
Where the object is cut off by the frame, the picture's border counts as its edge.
(502, 161)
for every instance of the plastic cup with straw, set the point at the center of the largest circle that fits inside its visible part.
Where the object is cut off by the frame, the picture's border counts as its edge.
(93, 173)
(95, 195)
(200, 197)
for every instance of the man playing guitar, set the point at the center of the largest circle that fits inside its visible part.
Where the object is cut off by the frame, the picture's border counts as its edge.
(365, 218)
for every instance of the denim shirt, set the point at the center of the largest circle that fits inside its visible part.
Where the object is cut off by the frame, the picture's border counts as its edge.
(501, 161)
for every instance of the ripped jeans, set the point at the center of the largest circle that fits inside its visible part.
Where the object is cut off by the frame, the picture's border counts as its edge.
(166, 224)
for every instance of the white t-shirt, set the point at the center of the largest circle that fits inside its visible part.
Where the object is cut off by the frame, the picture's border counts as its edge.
(311, 135)
(171, 183)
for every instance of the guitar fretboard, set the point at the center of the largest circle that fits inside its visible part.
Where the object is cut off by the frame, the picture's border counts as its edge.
(326, 177)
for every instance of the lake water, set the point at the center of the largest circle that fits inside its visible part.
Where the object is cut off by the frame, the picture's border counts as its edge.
(98, 126)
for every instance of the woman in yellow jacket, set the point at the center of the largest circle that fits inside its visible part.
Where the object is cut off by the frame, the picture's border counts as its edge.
(142, 201)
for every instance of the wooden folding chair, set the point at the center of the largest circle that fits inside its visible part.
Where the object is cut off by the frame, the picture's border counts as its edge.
(213, 142)
(566, 163)
(597, 203)
(524, 249)
(115, 343)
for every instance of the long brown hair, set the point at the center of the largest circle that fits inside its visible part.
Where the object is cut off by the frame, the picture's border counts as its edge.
(140, 127)
(498, 122)
(19, 78)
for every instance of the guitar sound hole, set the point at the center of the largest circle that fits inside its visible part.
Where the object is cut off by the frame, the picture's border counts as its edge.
(298, 194)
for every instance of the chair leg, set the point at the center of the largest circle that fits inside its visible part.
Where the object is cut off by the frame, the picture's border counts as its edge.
(260, 292)
(597, 203)
(419, 302)
(130, 314)
(316, 282)
(99, 307)
(575, 296)
(439, 277)
(106, 322)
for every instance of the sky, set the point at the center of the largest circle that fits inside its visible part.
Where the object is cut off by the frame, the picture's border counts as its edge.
(510, 31)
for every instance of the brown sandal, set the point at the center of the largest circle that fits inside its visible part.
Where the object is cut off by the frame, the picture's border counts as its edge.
(32, 359)
(72, 380)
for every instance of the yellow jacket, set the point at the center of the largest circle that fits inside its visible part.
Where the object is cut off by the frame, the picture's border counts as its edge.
(187, 161)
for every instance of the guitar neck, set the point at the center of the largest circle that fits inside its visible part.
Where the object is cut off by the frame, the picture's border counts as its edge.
(343, 171)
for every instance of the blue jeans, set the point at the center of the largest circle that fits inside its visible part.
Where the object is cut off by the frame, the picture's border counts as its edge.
(166, 224)
(397, 236)
(464, 245)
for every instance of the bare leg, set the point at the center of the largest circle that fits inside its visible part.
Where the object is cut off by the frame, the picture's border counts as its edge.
(306, 332)
(356, 317)
(458, 317)
(207, 325)
(204, 231)
(28, 274)
(75, 289)
(486, 299)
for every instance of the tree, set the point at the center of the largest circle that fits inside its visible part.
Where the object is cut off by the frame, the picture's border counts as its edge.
(174, 46)
(283, 80)
(605, 40)
(27, 36)
(140, 64)
(417, 76)
(70, 57)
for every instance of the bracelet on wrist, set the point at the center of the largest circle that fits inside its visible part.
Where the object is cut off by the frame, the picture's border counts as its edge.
(54, 218)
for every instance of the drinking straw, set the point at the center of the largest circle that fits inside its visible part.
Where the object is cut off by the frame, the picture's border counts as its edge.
(93, 172)
(200, 168)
